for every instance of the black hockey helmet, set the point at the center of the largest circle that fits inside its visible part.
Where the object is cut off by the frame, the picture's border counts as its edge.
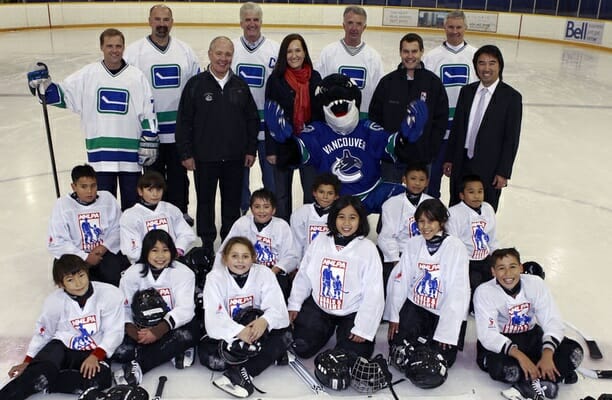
(200, 260)
(533, 268)
(208, 351)
(427, 369)
(333, 368)
(369, 376)
(127, 392)
(238, 351)
(148, 307)
(400, 354)
(92, 393)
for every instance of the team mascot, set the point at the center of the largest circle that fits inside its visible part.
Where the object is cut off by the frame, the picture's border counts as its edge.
(345, 146)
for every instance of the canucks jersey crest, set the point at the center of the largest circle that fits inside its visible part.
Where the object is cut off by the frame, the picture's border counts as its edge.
(166, 76)
(253, 75)
(113, 101)
(455, 74)
(357, 74)
(348, 167)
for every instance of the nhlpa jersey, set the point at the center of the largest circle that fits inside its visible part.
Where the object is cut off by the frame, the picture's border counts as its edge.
(354, 159)
(77, 229)
(306, 225)
(498, 314)
(398, 225)
(138, 220)
(274, 244)
(116, 110)
(176, 284)
(476, 231)
(439, 283)
(223, 299)
(167, 71)
(255, 66)
(342, 281)
(364, 68)
(99, 324)
(455, 69)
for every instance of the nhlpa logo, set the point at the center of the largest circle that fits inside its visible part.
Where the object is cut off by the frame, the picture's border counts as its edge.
(263, 250)
(455, 75)
(91, 233)
(519, 318)
(480, 240)
(253, 75)
(347, 168)
(316, 230)
(413, 226)
(237, 304)
(332, 291)
(166, 76)
(427, 289)
(357, 74)
(113, 101)
(157, 223)
(86, 328)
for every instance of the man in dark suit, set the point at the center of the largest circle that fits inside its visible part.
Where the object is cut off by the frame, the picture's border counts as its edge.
(485, 133)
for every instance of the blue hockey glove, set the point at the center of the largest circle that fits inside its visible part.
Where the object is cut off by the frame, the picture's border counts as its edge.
(416, 118)
(280, 128)
(37, 77)
(148, 148)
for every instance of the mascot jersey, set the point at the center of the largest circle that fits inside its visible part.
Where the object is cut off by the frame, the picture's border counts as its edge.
(354, 159)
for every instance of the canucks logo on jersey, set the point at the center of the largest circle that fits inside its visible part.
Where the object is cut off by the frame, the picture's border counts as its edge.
(347, 168)
(113, 101)
(357, 74)
(455, 75)
(166, 76)
(253, 75)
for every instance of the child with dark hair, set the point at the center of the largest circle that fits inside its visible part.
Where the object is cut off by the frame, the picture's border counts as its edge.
(428, 292)
(81, 324)
(151, 212)
(338, 288)
(153, 338)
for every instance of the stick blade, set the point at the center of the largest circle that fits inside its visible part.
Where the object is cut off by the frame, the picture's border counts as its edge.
(594, 351)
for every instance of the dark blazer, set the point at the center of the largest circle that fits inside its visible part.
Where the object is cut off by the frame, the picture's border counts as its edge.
(497, 141)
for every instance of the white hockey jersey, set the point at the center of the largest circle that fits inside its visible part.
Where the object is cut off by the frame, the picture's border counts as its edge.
(99, 324)
(365, 69)
(342, 281)
(398, 225)
(167, 71)
(138, 220)
(476, 231)
(176, 284)
(497, 313)
(223, 299)
(274, 245)
(255, 66)
(115, 111)
(439, 283)
(306, 225)
(77, 229)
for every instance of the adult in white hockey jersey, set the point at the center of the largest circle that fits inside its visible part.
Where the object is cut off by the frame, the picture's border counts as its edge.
(151, 212)
(151, 342)
(338, 288)
(520, 330)
(428, 291)
(115, 103)
(452, 62)
(86, 223)
(81, 324)
(168, 63)
(240, 285)
(352, 57)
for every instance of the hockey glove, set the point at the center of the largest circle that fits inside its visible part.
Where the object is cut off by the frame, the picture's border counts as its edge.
(416, 118)
(39, 77)
(147, 150)
(280, 128)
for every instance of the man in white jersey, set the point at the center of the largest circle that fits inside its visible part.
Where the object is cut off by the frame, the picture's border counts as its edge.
(452, 62)
(353, 57)
(254, 59)
(168, 63)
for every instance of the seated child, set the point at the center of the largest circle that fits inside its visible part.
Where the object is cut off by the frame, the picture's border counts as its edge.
(79, 327)
(338, 287)
(86, 223)
(429, 291)
(310, 220)
(242, 286)
(473, 221)
(162, 327)
(151, 212)
(520, 331)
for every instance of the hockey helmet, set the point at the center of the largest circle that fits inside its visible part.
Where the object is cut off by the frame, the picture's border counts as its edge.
(369, 376)
(533, 268)
(92, 393)
(400, 354)
(200, 260)
(427, 369)
(333, 368)
(127, 392)
(208, 351)
(340, 98)
(238, 351)
(148, 307)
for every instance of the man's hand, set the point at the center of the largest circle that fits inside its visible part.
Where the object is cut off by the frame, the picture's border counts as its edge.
(249, 160)
(499, 182)
(447, 169)
(393, 330)
(189, 164)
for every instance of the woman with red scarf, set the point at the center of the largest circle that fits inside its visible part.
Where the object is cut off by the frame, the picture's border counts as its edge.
(292, 85)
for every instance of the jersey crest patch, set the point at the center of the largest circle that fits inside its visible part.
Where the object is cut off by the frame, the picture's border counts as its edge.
(518, 319)
(331, 295)
(413, 227)
(90, 230)
(357, 74)
(348, 167)
(455, 75)
(166, 76)
(263, 250)
(480, 240)
(253, 75)
(316, 230)
(86, 328)
(237, 304)
(427, 288)
(113, 101)
(166, 294)
(157, 223)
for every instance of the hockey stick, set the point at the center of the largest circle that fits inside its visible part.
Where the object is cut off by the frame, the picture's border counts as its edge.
(595, 373)
(160, 387)
(305, 375)
(43, 98)
(594, 351)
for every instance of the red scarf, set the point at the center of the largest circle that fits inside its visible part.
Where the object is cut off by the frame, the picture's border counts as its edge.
(298, 80)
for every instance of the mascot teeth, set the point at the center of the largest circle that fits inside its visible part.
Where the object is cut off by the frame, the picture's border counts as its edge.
(340, 99)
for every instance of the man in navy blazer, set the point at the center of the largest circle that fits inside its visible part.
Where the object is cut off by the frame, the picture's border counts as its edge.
(485, 134)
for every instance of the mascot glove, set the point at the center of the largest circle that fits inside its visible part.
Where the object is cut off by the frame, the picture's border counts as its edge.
(416, 118)
(280, 129)
(148, 148)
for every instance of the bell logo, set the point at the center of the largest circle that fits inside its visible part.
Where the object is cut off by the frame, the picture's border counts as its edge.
(573, 31)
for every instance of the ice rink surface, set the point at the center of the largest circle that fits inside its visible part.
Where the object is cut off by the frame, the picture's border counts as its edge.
(557, 209)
